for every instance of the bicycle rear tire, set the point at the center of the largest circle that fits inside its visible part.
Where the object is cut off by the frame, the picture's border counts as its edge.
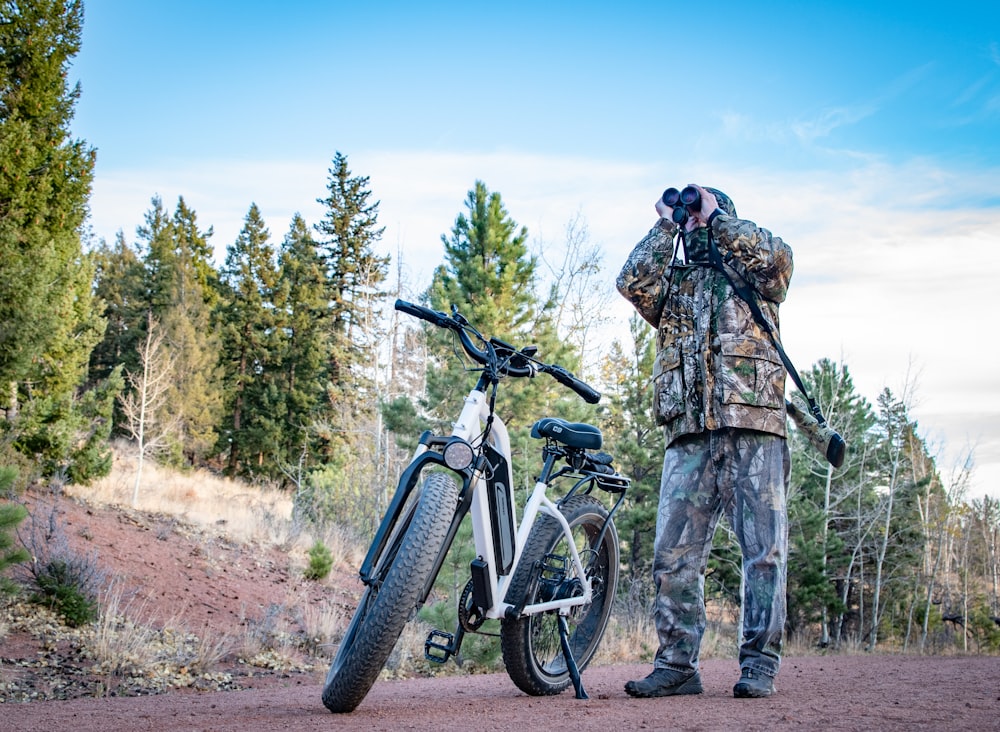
(392, 598)
(532, 652)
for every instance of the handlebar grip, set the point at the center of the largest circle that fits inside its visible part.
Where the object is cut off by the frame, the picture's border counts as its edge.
(418, 311)
(564, 377)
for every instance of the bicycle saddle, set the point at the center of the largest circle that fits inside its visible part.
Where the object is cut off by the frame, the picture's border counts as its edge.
(571, 434)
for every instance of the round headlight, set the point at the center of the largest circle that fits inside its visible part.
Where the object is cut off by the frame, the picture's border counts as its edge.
(458, 455)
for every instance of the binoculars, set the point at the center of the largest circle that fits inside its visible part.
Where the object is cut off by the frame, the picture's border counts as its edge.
(683, 201)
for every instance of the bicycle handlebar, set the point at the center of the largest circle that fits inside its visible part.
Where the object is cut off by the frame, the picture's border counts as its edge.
(431, 316)
(441, 320)
(564, 377)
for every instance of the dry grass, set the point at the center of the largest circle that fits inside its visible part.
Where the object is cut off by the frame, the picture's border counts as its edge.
(127, 649)
(321, 625)
(242, 512)
(627, 640)
(248, 514)
(121, 643)
(209, 650)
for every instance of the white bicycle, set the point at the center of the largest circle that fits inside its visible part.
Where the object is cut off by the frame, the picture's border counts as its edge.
(551, 580)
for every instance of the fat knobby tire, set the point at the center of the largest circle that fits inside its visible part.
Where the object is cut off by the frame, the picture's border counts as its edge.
(531, 649)
(382, 613)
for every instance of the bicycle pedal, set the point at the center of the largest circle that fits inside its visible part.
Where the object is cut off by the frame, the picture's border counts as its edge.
(439, 646)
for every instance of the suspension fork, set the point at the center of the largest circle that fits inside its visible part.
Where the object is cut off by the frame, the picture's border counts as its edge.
(394, 512)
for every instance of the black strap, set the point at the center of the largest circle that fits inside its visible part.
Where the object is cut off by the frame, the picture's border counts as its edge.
(746, 292)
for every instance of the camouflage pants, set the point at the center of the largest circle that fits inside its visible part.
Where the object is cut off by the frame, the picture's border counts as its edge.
(744, 474)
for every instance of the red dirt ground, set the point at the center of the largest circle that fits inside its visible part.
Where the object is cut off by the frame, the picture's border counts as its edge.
(217, 585)
(833, 693)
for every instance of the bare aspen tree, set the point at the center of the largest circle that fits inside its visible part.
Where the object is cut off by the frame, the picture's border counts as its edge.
(987, 511)
(863, 522)
(143, 406)
(580, 292)
(897, 429)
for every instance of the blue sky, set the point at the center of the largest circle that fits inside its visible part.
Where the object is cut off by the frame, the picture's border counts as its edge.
(866, 134)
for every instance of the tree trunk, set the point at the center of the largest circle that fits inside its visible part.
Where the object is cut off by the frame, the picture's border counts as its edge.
(12, 408)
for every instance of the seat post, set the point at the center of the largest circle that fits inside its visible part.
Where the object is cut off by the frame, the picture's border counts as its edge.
(550, 454)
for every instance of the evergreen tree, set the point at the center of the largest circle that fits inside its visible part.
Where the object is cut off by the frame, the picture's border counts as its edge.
(354, 274)
(637, 444)
(249, 350)
(11, 515)
(490, 277)
(819, 503)
(159, 260)
(195, 244)
(45, 180)
(181, 292)
(301, 305)
(118, 284)
(193, 337)
(50, 319)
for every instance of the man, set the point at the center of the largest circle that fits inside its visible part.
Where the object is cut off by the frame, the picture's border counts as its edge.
(718, 386)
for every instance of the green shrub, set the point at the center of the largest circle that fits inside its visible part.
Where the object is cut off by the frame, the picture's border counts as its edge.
(58, 576)
(320, 562)
(61, 586)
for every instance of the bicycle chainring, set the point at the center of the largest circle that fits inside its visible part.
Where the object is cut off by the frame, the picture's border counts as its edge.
(470, 616)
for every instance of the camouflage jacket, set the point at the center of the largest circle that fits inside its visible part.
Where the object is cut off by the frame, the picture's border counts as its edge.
(715, 366)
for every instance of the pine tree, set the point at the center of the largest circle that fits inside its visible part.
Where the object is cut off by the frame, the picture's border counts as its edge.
(118, 284)
(250, 346)
(193, 336)
(50, 320)
(301, 304)
(181, 292)
(45, 180)
(818, 498)
(490, 276)
(159, 260)
(637, 445)
(11, 515)
(354, 274)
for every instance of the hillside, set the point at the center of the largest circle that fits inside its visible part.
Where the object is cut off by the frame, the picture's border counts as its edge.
(191, 598)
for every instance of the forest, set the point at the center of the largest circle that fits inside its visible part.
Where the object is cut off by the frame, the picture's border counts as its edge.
(286, 365)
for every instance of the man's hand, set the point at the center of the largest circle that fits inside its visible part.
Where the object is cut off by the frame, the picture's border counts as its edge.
(708, 204)
(662, 210)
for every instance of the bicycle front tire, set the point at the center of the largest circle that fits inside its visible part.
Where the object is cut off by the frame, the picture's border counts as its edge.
(392, 599)
(532, 652)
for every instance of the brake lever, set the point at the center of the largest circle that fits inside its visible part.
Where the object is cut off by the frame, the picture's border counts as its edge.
(457, 316)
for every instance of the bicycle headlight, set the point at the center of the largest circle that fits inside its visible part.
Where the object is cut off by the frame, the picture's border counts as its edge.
(458, 455)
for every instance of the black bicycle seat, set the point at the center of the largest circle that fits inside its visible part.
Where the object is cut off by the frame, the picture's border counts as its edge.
(571, 434)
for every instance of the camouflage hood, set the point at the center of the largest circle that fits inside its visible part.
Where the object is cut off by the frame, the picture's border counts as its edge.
(725, 202)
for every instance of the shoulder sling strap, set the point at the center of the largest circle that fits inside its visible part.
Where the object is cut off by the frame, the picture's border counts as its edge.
(834, 444)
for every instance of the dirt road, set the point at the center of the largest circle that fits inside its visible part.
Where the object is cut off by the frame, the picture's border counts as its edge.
(815, 693)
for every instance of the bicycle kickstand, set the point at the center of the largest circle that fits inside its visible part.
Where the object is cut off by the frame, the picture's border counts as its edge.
(574, 671)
